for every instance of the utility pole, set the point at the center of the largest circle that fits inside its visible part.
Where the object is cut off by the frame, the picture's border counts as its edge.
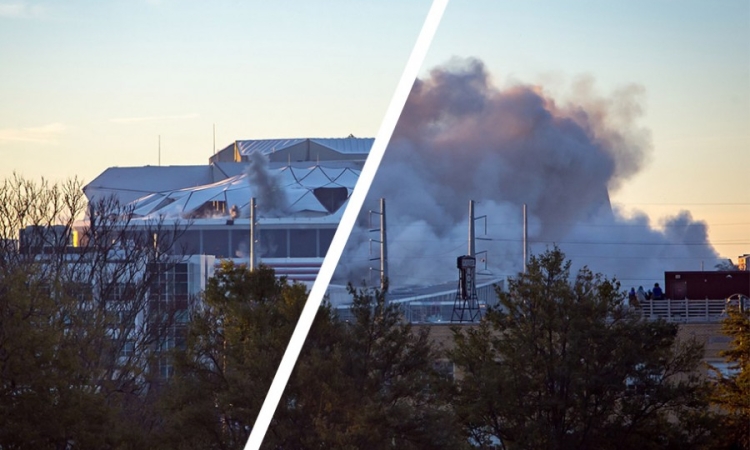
(525, 239)
(383, 248)
(472, 231)
(383, 241)
(252, 233)
(472, 245)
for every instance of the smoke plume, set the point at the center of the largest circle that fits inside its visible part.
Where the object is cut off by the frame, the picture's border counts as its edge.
(271, 199)
(461, 138)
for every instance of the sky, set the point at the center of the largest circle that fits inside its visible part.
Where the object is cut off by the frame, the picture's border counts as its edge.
(692, 60)
(88, 85)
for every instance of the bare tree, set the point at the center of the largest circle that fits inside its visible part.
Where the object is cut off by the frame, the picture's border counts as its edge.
(87, 302)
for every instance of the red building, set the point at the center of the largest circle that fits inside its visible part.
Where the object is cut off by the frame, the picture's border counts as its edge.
(706, 285)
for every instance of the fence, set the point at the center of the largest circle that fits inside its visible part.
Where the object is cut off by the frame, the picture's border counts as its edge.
(435, 306)
(688, 311)
(438, 308)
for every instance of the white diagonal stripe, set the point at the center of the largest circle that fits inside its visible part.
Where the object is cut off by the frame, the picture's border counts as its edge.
(347, 223)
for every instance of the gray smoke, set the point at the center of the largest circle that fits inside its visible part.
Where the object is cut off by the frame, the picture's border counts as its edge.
(460, 137)
(270, 196)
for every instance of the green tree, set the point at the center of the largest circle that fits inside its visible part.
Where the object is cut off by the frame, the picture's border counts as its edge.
(74, 358)
(48, 398)
(732, 391)
(376, 388)
(561, 363)
(366, 383)
(234, 345)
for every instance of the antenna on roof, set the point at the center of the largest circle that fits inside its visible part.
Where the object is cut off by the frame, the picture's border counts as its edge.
(214, 139)
(159, 158)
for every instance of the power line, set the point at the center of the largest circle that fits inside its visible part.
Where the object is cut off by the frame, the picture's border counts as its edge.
(635, 257)
(624, 225)
(685, 204)
(652, 244)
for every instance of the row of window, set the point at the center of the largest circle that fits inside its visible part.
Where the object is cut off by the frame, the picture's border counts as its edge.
(271, 243)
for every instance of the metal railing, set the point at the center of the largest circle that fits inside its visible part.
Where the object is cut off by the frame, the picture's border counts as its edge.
(438, 308)
(688, 311)
(435, 307)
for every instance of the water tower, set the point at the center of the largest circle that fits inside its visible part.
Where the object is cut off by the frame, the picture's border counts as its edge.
(466, 304)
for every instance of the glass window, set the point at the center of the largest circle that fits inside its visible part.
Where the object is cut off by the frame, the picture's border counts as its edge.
(165, 368)
(326, 236)
(240, 242)
(216, 242)
(127, 349)
(136, 239)
(303, 243)
(182, 316)
(272, 244)
(188, 243)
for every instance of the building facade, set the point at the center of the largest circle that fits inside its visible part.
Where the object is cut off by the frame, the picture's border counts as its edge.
(300, 188)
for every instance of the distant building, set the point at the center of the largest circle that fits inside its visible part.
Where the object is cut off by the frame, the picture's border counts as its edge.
(286, 151)
(174, 289)
(700, 285)
(742, 261)
(145, 298)
(301, 187)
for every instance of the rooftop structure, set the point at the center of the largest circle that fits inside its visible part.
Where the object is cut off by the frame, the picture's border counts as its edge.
(297, 150)
(301, 187)
(742, 262)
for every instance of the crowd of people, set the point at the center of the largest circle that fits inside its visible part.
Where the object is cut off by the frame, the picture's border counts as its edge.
(639, 296)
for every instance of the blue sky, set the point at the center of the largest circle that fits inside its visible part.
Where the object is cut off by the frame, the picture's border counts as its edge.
(86, 85)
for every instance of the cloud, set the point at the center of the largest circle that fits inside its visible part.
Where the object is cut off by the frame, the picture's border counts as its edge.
(153, 118)
(49, 128)
(21, 10)
(461, 136)
(44, 134)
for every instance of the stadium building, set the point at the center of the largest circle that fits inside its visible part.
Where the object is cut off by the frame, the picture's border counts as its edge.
(300, 186)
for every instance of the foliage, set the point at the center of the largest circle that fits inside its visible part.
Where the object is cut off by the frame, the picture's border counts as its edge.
(234, 345)
(76, 350)
(561, 363)
(362, 384)
(732, 392)
(47, 394)
(377, 387)
(84, 332)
